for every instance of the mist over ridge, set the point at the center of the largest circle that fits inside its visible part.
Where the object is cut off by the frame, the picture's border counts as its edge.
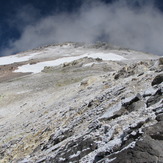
(136, 25)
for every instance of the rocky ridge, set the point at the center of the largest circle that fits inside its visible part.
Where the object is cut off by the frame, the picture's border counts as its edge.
(88, 110)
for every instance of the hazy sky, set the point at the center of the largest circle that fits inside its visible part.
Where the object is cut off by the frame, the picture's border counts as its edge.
(27, 24)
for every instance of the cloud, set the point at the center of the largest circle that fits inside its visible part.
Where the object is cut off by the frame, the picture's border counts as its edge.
(119, 23)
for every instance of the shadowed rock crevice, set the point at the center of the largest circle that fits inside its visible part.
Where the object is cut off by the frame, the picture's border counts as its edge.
(155, 98)
(74, 150)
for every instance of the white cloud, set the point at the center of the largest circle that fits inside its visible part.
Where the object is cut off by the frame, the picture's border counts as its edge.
(117, 23)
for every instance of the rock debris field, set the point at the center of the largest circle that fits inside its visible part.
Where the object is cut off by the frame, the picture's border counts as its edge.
(80, 103)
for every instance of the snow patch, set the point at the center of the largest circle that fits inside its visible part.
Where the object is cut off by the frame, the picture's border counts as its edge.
(62, 159)
(106, 56)
(36, 68)
(15, 58)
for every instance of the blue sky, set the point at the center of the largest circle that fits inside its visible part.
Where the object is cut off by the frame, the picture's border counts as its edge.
(27, 24)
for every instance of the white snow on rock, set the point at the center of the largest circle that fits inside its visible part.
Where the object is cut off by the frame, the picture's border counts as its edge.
(36, 68)
(110, 112)
(15, 58)
(106, 56)
(105, 148)
(75, 155)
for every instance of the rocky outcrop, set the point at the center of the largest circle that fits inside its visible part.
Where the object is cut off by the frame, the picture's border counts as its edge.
(88, 110)
(148, 148)
(110, 138)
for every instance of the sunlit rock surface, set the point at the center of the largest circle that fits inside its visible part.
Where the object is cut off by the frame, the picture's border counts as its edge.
(81, 103)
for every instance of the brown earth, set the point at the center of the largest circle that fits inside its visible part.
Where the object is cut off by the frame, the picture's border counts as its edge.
(7, 74)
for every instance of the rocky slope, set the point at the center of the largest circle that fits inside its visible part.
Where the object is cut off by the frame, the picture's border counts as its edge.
(88, 110)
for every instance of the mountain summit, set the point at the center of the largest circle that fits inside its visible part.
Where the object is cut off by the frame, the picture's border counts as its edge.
(80, 103)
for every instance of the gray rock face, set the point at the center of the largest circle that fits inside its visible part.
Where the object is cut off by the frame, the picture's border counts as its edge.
(74, 150)
(85, 111)
(148, 149)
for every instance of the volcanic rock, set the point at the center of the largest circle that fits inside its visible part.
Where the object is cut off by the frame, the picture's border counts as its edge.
(80, 103)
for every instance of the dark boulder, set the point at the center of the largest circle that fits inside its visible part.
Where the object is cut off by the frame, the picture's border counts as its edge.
(155, 98)
(157, 80)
